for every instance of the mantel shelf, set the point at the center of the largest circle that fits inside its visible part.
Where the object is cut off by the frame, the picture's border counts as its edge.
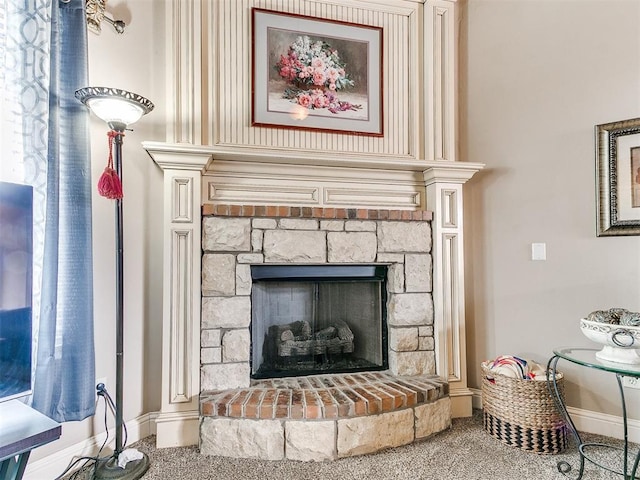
(171, 153)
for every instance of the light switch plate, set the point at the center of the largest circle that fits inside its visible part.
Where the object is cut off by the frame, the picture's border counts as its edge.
(538, 251)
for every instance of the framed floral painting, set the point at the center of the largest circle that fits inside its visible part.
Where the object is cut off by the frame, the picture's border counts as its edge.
(316, 74)
(618, 178)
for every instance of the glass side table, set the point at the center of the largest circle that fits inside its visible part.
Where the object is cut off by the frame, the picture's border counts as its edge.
(586, 357)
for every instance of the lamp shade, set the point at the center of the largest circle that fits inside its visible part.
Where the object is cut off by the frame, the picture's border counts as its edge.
(114, 106)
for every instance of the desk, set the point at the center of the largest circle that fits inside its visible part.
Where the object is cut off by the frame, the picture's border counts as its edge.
(586, 357)
(21, 430)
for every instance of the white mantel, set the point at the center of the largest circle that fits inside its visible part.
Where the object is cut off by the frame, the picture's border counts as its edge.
(213, 155)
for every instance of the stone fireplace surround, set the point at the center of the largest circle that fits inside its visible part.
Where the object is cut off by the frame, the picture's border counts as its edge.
(319, 417)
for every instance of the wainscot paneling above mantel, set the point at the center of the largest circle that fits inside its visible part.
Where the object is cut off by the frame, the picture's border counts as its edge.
(229, 76)
(209, 77)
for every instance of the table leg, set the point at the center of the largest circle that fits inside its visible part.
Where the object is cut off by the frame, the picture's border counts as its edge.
(628, 475)
(625, 448)
(634, 471)
(564, 467)
(13, 468)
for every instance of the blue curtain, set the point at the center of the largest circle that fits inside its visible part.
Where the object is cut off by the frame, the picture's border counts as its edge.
(48, 40)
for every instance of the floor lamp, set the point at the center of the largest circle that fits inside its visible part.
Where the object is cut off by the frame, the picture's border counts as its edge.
(119, 109)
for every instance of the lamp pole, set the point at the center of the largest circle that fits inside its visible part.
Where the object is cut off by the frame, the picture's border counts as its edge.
(117, 140)
(119, 109)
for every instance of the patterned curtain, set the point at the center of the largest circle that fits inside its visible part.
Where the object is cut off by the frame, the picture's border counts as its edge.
(45, 143)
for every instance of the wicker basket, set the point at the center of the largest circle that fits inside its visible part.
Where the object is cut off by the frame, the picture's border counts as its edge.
(522, 413)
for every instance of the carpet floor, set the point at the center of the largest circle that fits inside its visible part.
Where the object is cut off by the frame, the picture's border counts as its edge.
(465, 451)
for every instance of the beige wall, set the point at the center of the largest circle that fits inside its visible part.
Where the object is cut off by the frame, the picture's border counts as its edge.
(537, 75)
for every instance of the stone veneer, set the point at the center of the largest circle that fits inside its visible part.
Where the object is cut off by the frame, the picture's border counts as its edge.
(235, 237)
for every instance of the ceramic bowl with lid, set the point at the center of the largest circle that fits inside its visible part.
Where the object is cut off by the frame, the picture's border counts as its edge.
(621, 343)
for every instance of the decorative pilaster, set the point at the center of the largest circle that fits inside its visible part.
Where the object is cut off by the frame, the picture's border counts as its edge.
(443, 182)
(184, 45)
(441, 83)
(177, 423)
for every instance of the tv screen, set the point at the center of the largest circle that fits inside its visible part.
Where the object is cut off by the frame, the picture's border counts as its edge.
(16, 266)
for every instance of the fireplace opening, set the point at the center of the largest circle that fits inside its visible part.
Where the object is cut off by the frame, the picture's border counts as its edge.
(311, 319)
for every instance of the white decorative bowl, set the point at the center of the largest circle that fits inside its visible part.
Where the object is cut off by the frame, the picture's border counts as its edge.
(621, 342)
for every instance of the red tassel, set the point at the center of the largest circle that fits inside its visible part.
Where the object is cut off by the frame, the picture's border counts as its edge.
(109, 185)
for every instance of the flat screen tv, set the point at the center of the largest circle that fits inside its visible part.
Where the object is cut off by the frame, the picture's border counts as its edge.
(16, 267)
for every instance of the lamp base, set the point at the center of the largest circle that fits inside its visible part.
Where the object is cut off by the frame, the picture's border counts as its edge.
(108, 469)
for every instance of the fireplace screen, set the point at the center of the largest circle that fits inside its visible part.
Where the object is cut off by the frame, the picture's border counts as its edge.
(317, 319)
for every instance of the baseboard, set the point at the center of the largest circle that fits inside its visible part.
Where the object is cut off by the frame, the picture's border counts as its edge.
(603, 424)
(589, 421)
(145, 425)
(177, 429)
(53, 465)
(461, 402)
(476, 398)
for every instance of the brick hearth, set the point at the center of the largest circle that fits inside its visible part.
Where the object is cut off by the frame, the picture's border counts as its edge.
(324, 396)
(323, 417)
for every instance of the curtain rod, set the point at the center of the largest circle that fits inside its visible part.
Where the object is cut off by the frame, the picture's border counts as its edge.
(95, 16)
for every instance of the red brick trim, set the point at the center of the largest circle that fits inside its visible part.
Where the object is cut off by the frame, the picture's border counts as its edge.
(326, 213)
(323, 396)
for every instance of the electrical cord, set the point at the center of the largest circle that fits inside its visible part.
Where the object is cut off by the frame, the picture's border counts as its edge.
(102, 391)
(92, 461)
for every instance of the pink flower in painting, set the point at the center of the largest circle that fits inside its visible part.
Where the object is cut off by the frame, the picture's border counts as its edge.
(317, 62)
(332, 87)
(288, 73)
(318, 77)
(304, 72)
(332, 74)
(320, 101)
(304, 100)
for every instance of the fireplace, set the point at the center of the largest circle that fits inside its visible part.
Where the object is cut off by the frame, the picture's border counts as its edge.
(317, 324)
(209, 395)
(317, 319)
